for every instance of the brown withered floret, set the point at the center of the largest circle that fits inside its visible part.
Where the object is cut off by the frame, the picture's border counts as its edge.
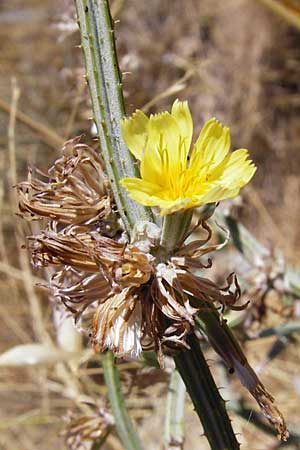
(73, 191)
(85, 431)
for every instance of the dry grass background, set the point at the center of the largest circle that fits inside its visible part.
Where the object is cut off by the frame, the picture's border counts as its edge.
(233, 59)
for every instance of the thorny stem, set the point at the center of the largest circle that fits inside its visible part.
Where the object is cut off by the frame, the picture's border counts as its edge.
(104, 80)
(124, 426)
(205, 396)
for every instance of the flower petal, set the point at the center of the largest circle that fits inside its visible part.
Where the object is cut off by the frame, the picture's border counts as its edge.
(162, 156)
(148, 194)
(170, 207)
(181, 113)
(211, 147)
(227, 179)
(134, 132)
(140, 190)
(238, 169)
(163, 131)
(217, 194)
(211, 128)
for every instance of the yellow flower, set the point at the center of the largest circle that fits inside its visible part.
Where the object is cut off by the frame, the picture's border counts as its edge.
(172, 180)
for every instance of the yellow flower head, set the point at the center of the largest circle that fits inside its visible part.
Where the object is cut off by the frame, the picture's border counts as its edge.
(170, 178)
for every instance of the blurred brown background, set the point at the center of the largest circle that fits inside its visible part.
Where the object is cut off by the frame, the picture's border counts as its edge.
(233, 59)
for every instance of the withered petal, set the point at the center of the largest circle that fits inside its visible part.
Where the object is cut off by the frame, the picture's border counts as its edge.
(117, 324)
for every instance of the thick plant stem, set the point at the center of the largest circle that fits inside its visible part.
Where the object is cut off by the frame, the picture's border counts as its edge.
(174, 428)
(103, 78)
(205, 396)
(124, 426)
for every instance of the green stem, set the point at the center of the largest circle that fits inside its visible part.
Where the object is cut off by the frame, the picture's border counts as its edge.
(175, 227)
(174, 427)
(123, 425)
(103, 78)
(205, 396)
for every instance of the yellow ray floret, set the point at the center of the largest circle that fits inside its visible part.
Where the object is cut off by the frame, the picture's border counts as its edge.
(169, 178)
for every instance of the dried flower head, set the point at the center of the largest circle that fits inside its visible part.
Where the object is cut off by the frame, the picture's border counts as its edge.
(84, 432)
(170, 178)
(74, 190)
(133, 299)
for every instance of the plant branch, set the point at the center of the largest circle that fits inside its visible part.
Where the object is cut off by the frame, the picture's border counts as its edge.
(205, 396)
(103, 78)
(123, 423)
